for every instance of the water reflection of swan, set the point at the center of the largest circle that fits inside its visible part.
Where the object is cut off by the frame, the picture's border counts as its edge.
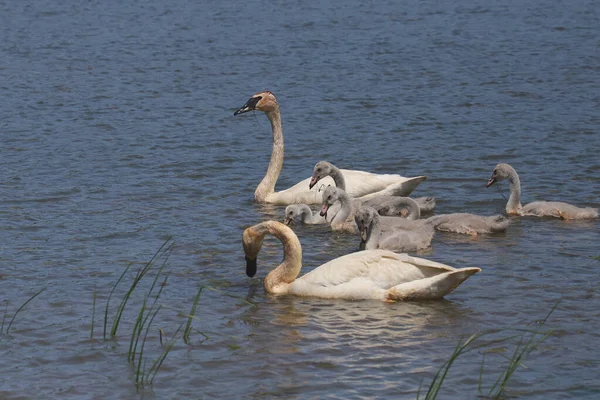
(359, 183)
(537, 208)
(370, 274)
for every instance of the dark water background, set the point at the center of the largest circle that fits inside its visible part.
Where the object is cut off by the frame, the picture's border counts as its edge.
(117, 133)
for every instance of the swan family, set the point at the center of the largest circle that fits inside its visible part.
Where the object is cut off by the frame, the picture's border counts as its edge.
(376, 208)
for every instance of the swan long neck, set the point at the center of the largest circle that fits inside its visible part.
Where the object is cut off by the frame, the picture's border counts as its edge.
(514, 201)
(345, 208)
(289, 269)
(338, 177)
(267, 185)
(373, 234)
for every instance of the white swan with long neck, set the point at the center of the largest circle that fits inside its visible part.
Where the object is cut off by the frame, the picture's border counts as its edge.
(359, 183)
(554, 209)
(370, 274)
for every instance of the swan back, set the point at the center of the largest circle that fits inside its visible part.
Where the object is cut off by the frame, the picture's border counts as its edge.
(469, 224)
(367, 221)
(395, 206)
(557, 209)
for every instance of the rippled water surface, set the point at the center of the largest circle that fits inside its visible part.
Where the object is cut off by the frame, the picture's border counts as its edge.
(117, 134)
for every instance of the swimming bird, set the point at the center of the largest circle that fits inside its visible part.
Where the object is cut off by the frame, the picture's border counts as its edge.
(359, 183)
(302, 214)
(367, 221)
(369, 274)
(554, 209)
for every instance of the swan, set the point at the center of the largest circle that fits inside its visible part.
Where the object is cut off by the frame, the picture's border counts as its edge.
(465, 223)
(367, 221)
(369, 274)
(302, 214)
(323, 169)
(537, 208)
(359, 183)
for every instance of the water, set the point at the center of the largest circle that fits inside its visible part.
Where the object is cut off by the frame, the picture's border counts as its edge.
(117, 132)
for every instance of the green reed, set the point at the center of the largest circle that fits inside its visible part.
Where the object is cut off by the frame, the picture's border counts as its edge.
(188, 325)
(528, 341)
(17, 312)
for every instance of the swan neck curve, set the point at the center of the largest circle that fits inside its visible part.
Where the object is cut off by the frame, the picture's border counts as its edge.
(373, 234)
(514, 201)
(267, 185)
(345, 208)
(338, 177)
(285, 273)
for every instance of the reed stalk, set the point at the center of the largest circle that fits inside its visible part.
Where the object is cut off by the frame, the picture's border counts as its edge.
(21, 308)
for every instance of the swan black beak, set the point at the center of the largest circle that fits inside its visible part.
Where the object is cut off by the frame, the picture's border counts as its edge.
(491, 181)
(249, 106)
(288, 221)
(250, 267)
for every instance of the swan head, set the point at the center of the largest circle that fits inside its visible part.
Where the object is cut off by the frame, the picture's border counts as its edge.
(501, 172)
(320, 171)
(295, 213)
(261, 101)
(330, 195)
(364, 217)
(252, 241)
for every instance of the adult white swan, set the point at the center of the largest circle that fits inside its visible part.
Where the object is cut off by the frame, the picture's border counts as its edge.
(359, 183)
(370, 274)
(555, 209)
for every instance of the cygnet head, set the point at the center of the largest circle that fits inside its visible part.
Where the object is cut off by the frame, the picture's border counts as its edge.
(261, 101)
(321, 170)
(501, 172)
(295, 213)
(331, 194)
(364, 217)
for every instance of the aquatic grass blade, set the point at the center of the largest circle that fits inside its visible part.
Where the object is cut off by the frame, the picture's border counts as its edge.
(141, 357)
(159, 361)
(110, 296)
(20, 308)
(141, 273)
(188, 326)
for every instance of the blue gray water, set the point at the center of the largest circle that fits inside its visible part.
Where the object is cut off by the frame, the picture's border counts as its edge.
(117, 134)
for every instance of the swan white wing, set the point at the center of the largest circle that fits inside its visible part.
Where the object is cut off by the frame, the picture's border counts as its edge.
(358, 184)
(383, 267)
(365, 275)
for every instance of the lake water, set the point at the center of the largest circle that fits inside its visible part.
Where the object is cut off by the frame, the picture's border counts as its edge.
(117, 134)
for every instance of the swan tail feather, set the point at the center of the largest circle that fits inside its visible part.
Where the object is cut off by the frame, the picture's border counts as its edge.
(431, 288)
(404, 188)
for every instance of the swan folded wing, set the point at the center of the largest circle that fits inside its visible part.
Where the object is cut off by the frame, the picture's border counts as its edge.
(382, 268)
(430, 288)
(557, 209)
